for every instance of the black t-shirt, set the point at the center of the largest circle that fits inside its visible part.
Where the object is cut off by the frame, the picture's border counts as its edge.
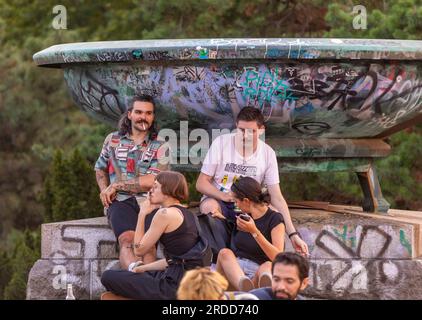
(244, 245)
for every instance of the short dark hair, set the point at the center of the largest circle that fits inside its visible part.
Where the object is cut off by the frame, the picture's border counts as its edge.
(247, 187)
(141, 98)
(293, 259)
(251, 114)
(173, 184)
(125, 125)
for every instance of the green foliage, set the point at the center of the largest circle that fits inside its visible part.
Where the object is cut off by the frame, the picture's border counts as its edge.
(70, 190)
(21, 252)
(149, 19)
(389, 19)
(401, 172)
(37, 117)
(335, 187)
(191, 178)
(5, 272)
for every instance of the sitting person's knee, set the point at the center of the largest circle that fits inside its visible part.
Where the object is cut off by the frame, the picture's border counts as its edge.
(209, 205)
(126, 237)
(225, 254)
(107, 278)
(266, 266)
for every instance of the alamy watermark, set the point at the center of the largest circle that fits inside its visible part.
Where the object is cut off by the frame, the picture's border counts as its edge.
(60, 280)
(360, 20)
(191, 147)
(60, 20)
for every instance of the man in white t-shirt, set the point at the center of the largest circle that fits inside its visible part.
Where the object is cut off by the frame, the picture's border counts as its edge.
(243, 154)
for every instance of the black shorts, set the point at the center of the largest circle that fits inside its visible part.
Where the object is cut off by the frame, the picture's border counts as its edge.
(123, 216)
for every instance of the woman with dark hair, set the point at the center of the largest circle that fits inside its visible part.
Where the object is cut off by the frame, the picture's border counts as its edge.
(176, 228)
(256, 240)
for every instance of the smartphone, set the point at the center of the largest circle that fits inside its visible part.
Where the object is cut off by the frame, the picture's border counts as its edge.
(244, 216)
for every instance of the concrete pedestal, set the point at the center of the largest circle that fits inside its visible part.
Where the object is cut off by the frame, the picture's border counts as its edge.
(353, 256)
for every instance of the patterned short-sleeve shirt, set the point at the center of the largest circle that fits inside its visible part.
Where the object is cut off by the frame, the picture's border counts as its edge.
(122, 159)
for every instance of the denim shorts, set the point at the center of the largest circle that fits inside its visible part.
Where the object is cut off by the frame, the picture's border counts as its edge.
(248, 267)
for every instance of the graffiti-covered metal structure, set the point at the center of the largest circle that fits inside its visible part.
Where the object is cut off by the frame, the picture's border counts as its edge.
(328, 103)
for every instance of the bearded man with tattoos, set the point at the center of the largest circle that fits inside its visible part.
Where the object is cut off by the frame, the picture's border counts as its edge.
(125, 170)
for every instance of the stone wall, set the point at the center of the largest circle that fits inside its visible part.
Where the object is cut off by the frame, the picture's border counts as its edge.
(74, 252)
(352, 257)
(360, 258)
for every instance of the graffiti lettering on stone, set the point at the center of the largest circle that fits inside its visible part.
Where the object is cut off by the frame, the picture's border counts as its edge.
(90, 242)
(112, 56)
(159, 55)
(85, 252)
(331, 100)
(99, 98)
(311, 128)
(191, 74)
(308, 152)
(263, 87)
(354, 268)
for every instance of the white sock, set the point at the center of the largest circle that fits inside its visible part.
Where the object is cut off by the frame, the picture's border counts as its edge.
(131, 266)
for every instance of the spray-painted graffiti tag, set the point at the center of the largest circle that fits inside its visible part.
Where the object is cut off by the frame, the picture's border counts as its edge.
(332, 100)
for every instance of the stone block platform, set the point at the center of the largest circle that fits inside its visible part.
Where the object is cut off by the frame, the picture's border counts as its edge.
(353, 255)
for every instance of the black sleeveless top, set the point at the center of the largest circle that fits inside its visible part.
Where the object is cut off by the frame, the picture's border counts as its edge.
(245, 246)
(184, 237)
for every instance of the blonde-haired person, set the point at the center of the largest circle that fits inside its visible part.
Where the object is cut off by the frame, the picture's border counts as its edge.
(202, 284)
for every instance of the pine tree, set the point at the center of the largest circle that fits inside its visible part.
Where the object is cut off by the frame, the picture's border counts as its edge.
(85, 191)
(24, 254)
(70, 190)
(46, 198)
(5, 272)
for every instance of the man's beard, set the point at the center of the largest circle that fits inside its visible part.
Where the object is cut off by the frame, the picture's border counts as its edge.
(141, 126)
(289, 296)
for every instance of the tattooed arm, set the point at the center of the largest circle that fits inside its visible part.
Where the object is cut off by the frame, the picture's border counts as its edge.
(102, 179)
(137, 185)
(106, 195)
(132, 186)
(101, 173)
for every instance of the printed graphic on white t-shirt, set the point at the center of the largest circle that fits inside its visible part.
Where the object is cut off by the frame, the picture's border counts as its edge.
(226, 165)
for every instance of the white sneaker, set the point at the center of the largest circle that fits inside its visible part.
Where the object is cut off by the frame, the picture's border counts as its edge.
(265, 280)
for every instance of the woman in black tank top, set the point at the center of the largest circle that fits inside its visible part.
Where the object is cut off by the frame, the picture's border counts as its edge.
(256, 240)
(175, 228)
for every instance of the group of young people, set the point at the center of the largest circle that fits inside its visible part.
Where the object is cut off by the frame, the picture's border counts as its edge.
(159, 238)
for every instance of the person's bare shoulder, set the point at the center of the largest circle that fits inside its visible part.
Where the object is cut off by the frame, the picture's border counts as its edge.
(168, 212)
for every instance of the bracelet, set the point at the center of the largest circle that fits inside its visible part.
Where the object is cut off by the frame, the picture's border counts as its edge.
(293, 233)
